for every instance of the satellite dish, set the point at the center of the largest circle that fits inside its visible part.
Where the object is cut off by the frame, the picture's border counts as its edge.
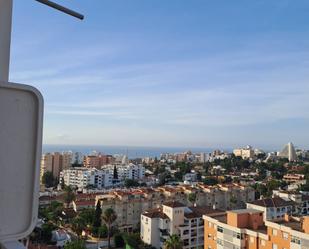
(21, 121)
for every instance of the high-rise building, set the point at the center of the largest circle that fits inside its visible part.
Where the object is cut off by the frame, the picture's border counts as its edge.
(288, 152)
(55, 162)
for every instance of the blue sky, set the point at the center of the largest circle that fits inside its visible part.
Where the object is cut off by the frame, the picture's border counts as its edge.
(168, 73)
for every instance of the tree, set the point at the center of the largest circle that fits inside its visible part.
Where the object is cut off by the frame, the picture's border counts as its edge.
(109, 217)
(118, 240)
(97, 215)
(132, 240)
(173, 242)
(129, 183)
(69, 195)
(77, 244)
(210, 181)
(78, 225)
(102, 231)
(62, 183)
(192, 197)
(88, 215)
(48, 179)
(115, 176)
(46, 234)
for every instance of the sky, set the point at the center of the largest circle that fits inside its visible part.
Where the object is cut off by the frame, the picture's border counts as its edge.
(196, 73)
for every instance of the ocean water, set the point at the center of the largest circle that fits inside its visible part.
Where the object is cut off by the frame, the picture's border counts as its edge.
(132, 151)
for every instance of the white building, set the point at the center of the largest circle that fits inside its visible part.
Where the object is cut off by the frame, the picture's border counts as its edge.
(288, 152)
(85, 177)
(174, 218)
(127, 171)
(190, 177)
(273, 208)
(60, 237)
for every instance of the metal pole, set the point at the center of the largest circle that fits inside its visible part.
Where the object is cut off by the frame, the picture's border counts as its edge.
(6, 7)
(61, 8)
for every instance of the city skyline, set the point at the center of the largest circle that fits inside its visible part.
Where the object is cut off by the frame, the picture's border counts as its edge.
(175, 73)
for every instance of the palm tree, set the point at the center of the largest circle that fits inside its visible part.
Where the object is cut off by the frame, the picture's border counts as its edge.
(109, 216)
(173, 242)
(78, 226)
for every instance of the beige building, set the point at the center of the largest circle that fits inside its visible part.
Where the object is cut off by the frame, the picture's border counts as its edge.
(245, 153)
(55, 163)
(129, 204)
(174, 218)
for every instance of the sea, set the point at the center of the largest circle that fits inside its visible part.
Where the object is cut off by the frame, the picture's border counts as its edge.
(131, 151)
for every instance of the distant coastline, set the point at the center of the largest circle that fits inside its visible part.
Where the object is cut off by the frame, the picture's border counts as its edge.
(132, 151)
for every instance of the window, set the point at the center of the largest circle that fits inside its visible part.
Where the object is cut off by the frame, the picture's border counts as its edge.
(275, 246)
(237, 235)
(209, 236)
(263, 243)
(220, 229)
(295, 240)
(219, 242)
(251, 239)
(285, 235)
(275, 232)
(209, 247)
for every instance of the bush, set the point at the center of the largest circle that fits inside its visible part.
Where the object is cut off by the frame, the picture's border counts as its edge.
(118, 240)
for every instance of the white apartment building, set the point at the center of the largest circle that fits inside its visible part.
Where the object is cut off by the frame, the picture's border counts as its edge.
(301, 201)
(84, 177)
(174, 218)
(190, 177)
(127, 171)
(273, 208)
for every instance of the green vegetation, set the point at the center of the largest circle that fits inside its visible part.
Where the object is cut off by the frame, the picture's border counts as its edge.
(129, 183)
(173, 242)
(118, 240)
(77, 244)
(109, 217)
(48, 180)
(69, 195)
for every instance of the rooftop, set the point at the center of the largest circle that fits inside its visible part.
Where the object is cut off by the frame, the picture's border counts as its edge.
(272, 202)
(155, 213)
(174, 204)
(245, 211)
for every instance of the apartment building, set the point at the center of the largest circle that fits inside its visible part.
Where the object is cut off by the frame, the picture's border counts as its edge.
(97, 161)
(174, 218)
(273, 208)
(55, 162)
(127, 171)
(84, 177)
(246, 229)
(245, 153)
(301, 200)
(130, 204)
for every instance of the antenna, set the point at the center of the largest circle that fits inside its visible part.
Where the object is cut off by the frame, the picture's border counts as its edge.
(5, 31)
(61, 8)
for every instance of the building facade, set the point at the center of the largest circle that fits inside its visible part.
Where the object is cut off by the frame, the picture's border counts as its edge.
(55, 163)
(130, 204)
(82, 178)
(246, 229)
(174, 218)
